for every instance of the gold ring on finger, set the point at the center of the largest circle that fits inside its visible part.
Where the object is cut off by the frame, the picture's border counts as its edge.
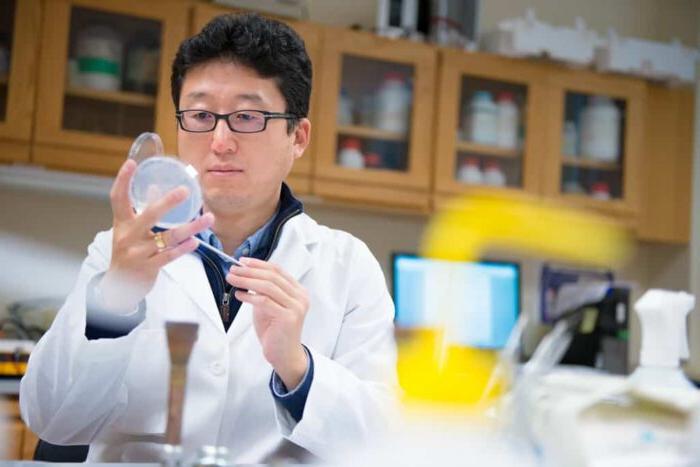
(160, 241)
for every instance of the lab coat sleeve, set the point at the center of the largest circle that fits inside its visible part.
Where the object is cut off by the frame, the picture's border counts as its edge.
(353, 395)
(73, 386)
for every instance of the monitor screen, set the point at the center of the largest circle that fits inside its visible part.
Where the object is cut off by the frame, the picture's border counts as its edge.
(476, 302)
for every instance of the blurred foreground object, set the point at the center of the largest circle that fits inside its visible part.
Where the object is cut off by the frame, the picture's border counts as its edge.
(430, 368)
(448, 387)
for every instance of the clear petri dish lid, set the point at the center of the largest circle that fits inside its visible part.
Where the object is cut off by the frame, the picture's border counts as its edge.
(158, 174)
(146, 145)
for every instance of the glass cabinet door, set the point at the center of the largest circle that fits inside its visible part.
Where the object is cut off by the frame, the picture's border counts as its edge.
(486, 118)
(593, 146)
(104, 80)
(373, 137)
(373, 114)
(112, 67)
(19, 43)
(596, 140)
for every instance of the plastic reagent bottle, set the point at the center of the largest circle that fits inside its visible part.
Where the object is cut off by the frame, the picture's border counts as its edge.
(662, 314)
(508, 118)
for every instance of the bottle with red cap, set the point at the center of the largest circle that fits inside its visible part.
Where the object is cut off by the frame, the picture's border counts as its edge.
(350, 154)
(493, 175)
(470, 172)
(508, 118)
(393, 103)
(600, 190)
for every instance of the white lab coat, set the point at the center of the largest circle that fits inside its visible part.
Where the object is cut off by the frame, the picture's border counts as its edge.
(112, 393)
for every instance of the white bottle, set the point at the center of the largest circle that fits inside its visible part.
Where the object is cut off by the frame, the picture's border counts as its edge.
(345, 109)
(600, 130)
(350, 155)
(469, 172)
(493, 175)
(393, 103)
(482, 119)
(662, 314)
(99, 52)
(570, 139)
(508, 117)
(601, 191)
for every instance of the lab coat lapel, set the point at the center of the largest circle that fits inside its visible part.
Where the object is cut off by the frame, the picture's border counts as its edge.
(291, 254)
(188, 272)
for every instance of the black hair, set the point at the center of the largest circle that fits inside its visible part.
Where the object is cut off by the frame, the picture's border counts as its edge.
(269, 47)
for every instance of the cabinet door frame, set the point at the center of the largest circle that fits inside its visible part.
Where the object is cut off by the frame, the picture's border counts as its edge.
(423, 59)
(665, 211)
(633, 92)
(299, 177)
(454, 66)
(55, 143)
(16, 129)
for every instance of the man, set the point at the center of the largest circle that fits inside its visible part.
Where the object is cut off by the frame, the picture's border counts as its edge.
(295, 347)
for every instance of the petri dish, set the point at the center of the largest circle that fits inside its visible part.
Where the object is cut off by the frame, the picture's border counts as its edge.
(158, 174)
(146, 145)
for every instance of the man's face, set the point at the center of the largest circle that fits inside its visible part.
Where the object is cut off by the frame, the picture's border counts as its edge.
(237, 170)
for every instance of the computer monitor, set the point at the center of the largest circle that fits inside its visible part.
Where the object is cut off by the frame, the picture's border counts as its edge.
(476, 302)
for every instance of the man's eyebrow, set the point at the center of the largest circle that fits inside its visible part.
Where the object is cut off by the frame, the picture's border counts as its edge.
(196, 94)
(250, 97)
(245, 97)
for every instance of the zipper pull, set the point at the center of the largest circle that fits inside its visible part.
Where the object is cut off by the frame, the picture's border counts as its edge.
(225, 307)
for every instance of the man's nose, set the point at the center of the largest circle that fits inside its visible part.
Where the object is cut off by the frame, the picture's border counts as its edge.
(223, 139)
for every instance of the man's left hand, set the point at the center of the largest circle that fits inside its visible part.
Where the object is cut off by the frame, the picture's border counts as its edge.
(279, 306)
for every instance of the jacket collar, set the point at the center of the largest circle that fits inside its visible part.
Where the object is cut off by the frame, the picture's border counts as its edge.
(292, 253)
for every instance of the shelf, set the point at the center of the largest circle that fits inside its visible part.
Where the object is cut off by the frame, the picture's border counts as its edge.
(590, 164)
(482, 149)
(371, 133)
(121, 97)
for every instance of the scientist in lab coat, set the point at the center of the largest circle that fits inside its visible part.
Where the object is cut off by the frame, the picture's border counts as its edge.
(305, 364)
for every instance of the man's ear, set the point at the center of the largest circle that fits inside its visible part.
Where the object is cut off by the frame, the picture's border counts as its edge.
(302, 136)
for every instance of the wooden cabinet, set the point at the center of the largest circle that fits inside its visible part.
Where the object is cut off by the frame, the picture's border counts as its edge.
(468, 151)
(377, 104)
(19, 44)
(300, 177)
(104, 78)
(666, 194)
(603, 170)
(16, 441)
(404, 111)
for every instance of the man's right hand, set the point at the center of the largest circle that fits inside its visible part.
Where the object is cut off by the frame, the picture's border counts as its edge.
(136, 256)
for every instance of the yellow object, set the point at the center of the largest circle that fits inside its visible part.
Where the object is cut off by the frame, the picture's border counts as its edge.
(471, 224)
(8, 368)
(430, 369)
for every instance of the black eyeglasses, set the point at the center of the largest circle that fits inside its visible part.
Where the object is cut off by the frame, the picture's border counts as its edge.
(240, 121)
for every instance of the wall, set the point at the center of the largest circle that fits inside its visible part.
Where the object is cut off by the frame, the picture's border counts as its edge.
(694, 364)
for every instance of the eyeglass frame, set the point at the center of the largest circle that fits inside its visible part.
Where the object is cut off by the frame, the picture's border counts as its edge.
(266, 115)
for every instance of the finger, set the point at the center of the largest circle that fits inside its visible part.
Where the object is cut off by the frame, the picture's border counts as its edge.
(264, 269)
(254, 262)
(262, 303)
(155, 211)
(263, 287)
(179, 234)
(119, 194)
(171, 254)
